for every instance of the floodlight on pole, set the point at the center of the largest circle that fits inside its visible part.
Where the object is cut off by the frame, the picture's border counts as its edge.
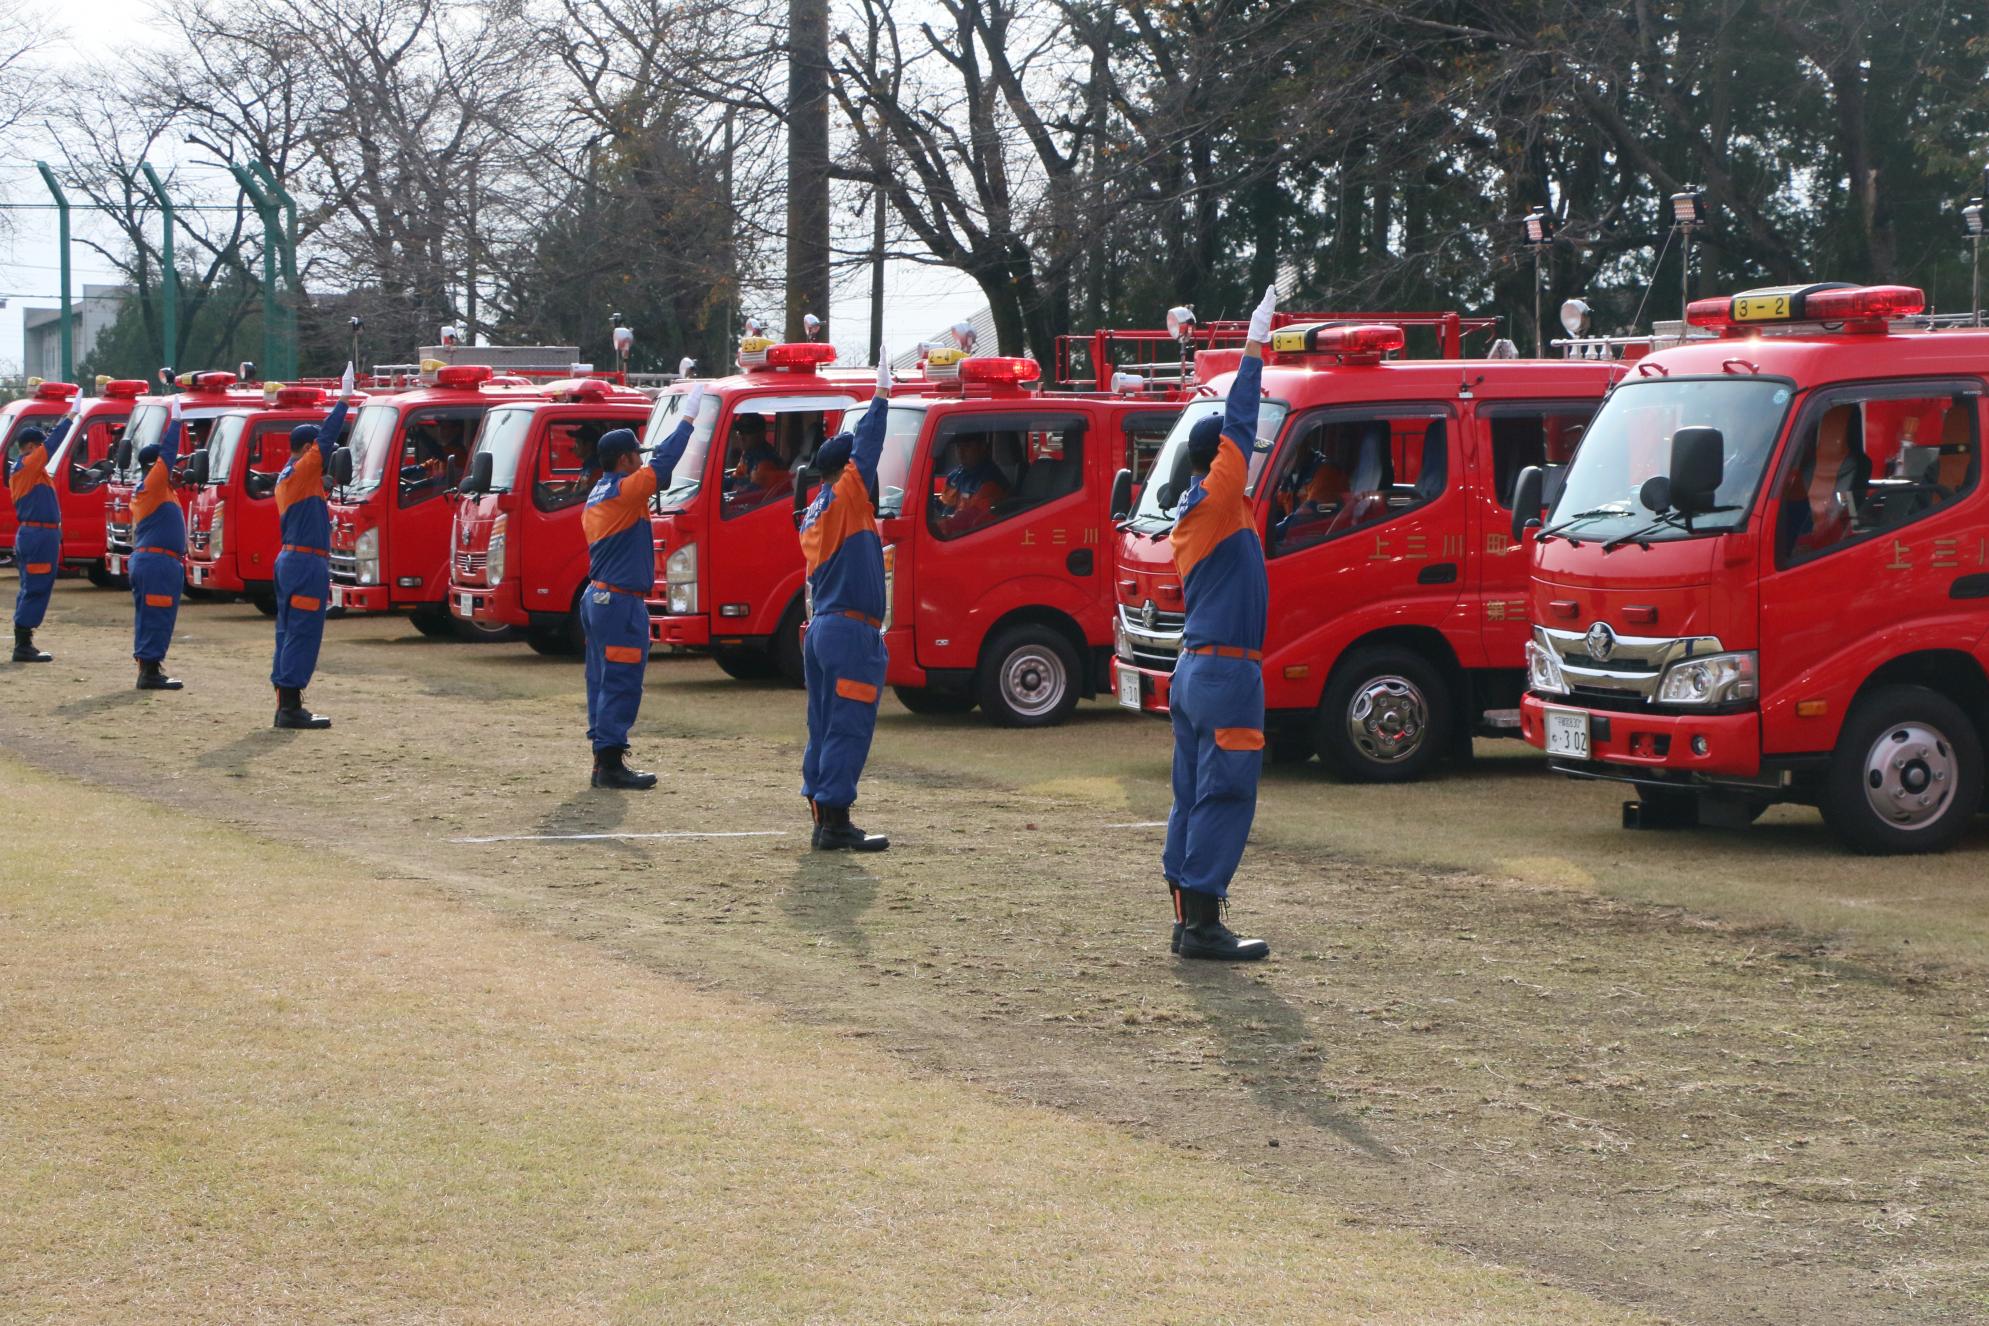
(1688, 213)
(1975, 220)
(1538, 227)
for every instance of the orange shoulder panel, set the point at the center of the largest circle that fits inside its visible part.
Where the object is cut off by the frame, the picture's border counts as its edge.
(31, 471)
(1221, 512)
(612, 515)
(847, 513)
(306, 479)
(155, 492)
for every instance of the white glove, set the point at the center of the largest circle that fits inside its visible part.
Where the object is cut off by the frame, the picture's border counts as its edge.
(883, 372)
(1260, 320)
(345, 383)
(693, 401)
(173, 406)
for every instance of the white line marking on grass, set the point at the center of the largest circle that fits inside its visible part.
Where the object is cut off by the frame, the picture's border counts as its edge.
(598, 837)
(1140, 824)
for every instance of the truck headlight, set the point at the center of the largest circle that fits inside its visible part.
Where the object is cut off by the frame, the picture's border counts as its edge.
(680, 576)
(1714, 679)
(366, 557)
(493, 566)
(1122, 644)
(216, 531)
(1543, 667)
(890, 582)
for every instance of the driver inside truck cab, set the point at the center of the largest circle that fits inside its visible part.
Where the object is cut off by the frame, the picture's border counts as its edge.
(435, 451)
(973, 488)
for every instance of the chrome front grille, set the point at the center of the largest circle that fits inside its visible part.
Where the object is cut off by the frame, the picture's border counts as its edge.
(469, 567)
(118, 536)
(197, 539)
(1156, 646)
(1634, 667)
(345, 567)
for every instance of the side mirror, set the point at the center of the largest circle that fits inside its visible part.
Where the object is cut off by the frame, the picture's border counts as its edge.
(122, 456)
(804, 473)
(341, 466)
(481, 472)
(195, 472)
(1122, 495)
(1527, 494)
(1698, 464)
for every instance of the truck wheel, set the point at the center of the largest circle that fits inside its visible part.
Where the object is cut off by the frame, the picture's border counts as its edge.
(567, 638)
(1027, 678)
(265, 603)
(101, 577)
(1906, 774)
(1289, 748)
(1385, 717)
(745, 662)
(786, 646)
(928, 700)
(433, 621)
(479, 633)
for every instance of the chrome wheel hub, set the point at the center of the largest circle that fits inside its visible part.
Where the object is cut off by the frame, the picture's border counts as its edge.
(1033, 681)
(1388, 719)
(1910, 775)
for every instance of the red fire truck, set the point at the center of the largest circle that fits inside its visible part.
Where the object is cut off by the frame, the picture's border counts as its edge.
(729, 568)
(1382, 489)
(519, 554)
(391, 513)
(232, 536)
(1766, 578)
(40, 408)
(204, 398)
(81, 465)
(1006, 600)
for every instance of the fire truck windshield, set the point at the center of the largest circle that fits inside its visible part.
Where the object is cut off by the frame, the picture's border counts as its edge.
(1630, 442)
(684, 480)
(221, 450)
(1160, 500)
(894, 468)
(503, 440)
(372, 442)
(148, 424)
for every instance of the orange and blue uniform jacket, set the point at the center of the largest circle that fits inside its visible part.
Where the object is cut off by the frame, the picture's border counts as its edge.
(303, 571)
(38, 538)
(843, 656)
(621, 567)
(158, 541)
(759, 467)
(1216, 698)
(971, 494)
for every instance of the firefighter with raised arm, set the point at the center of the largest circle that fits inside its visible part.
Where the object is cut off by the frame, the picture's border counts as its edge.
(158, 553)
(1217, 696)
(38, 537)
(303, 564)
(621, 574)
(843, 656)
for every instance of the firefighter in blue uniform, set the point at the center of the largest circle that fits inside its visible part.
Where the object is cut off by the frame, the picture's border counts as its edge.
(621, 575)
(843, 655)
(1217, 695)
(38, 536)
(303, 563)
(158, 553)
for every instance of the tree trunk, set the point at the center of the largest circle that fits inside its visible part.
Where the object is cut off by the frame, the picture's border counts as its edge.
(807, 164)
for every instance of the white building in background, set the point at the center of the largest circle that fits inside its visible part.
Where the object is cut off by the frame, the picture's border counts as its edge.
(89, 317)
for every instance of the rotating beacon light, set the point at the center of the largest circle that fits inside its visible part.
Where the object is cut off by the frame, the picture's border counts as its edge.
(1538, 228)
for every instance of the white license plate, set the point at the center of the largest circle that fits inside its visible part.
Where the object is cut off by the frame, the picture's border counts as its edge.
(338, 596)
(1129, 688)
(466, 604)
(114, 564)
(1567, 733)
(197, 574)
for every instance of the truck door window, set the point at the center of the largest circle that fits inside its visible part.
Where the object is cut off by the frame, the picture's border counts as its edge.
(559, 479)
(759, 455)
(100, 438)
(269, 452)
(435, 445)
(1523, 435)
(1341, 473)
(991, 468)
(1868, 461)
(1144, 434)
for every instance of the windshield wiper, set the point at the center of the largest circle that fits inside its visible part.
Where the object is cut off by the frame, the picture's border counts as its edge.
(1673, 519)
(1576, 519)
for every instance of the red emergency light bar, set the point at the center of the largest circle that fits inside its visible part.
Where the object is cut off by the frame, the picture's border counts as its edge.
(576, 390)
(55, 391)
(292, 396)
(800, 354)
(124, 389)
(1862, 308)
(1355, 343)
(994, 371)
(214, 380)
(465, 376)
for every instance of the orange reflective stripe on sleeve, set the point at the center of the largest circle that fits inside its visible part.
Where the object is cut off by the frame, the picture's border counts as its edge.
(622, 653)
(158, 600)
(1240, 738)
(860, 691)
(305, 603)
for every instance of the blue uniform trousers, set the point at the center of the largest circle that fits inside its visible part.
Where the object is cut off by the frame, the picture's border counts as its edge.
(303, 596)
(1217, 705)
(37, 552)
(617, 655)
(156, 580)
(843, 660)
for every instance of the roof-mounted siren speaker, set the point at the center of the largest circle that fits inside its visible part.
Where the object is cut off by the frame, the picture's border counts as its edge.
(811, 327)
(964, 336)
(687, 367)
(1127, 384)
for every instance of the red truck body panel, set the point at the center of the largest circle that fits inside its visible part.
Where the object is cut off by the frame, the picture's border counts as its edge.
(247, 451)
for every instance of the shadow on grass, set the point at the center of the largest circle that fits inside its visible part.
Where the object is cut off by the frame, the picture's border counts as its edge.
(828, 898)
(1266, 1042)
(98, 704)
(234, 757)
(593, 810)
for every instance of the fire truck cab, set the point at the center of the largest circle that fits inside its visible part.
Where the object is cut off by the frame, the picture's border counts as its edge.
(1382, 489)
(42, 408)
(1766, 578)
(392, 517)
(80, 467)
(519, 555)
(232, 531)
(995, 506)
(204, 398)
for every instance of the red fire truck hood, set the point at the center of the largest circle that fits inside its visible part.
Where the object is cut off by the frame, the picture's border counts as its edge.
(1688, 587)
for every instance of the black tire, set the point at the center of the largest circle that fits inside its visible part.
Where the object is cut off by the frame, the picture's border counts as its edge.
(479, 633)
(101, 577)
(434, 621)
(264, 601)
(745, 662)
(1029, 677)
(786, 647)
(1400, 704)
(565, 640)
(1289, 748)
(1906, 774)
(926, 700)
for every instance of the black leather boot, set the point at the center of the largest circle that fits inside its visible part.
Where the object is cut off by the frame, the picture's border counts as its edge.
(1174, 901)
(837, 834)
(815, 823)
(291, 713)
(610, 771)
(152, 677)
(24, 646)
(1203, 935)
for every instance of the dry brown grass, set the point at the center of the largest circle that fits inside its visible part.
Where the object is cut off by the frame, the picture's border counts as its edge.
(238, 1082)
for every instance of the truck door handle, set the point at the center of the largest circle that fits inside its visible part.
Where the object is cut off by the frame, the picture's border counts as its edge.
(1970, 587)
(1438, 573)
(1079, 562)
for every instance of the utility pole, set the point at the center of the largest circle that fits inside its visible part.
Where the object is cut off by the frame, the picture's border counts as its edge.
(169, 289)
(807, 164)
(62, 221)
(272, 243)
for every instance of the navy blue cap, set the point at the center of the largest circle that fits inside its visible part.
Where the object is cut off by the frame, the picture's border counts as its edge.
(1204, 440)
(148, 454)
(834, 453)
(614, 445)
(303, 435)
(31, 437)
